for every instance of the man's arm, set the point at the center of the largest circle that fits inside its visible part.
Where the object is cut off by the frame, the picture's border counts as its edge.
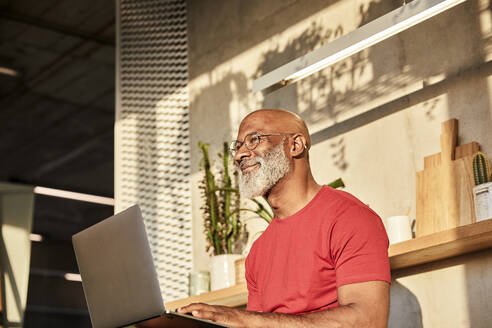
(362, 305)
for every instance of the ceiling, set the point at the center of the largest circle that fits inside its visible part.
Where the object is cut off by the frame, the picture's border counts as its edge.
(56, 130)
(57, 115)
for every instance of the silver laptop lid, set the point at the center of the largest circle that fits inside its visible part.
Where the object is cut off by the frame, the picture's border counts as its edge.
(118, 274)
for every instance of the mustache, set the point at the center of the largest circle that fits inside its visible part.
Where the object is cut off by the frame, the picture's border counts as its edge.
(250, 162)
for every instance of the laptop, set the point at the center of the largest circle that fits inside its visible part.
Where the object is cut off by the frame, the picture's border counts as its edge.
(119, 276)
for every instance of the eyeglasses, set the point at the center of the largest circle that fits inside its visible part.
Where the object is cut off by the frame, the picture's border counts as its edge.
(251, 141)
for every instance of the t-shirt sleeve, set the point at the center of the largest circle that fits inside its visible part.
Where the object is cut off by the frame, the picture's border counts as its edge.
(359, 247)
(253, 293)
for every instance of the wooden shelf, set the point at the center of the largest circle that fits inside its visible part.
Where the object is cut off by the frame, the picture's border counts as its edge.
(441, 245)
(425, 249)
(233, 296)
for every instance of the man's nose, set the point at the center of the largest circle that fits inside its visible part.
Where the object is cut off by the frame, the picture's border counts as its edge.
(241, 154)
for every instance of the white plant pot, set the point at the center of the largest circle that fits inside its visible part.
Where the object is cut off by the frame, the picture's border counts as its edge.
(222, 271)
(482, 196)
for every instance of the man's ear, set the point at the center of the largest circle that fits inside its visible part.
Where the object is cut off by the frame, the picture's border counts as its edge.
(298, 145)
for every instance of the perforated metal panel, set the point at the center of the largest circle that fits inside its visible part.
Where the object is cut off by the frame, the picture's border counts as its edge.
(152, 160)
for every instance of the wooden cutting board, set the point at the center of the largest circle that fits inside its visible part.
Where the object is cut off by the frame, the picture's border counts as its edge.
(445, 186)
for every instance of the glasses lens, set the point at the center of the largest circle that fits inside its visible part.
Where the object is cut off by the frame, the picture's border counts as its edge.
(252, 140)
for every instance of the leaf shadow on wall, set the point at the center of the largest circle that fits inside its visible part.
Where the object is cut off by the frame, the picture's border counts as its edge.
(320, 89)
(362, 88)
(372, 84)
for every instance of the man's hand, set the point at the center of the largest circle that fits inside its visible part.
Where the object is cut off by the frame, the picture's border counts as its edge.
(360, 305)
(221, 314)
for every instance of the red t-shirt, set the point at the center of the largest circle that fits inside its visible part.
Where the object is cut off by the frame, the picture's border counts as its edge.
(296, 265)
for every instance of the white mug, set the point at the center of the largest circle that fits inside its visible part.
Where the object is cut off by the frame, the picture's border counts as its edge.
(398, 228)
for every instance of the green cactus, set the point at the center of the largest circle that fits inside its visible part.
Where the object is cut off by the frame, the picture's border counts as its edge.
(481, 169)
(221, 209)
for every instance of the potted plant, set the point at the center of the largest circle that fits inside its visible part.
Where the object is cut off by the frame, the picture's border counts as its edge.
(482, 192)
(222, 227)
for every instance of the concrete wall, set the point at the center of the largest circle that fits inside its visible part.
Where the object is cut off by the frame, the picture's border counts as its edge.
(16, 212)
(373, 116)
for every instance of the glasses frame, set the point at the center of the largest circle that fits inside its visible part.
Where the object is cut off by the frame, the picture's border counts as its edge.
(233, 149)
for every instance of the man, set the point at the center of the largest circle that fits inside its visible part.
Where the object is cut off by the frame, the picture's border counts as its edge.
(322, 261)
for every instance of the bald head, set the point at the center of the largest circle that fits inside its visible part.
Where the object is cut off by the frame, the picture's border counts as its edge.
(274, 120)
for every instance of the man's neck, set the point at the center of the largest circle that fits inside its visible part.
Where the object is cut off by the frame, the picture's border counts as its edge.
(291, 194)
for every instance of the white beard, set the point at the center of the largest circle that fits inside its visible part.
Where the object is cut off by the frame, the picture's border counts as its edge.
(274, 165)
